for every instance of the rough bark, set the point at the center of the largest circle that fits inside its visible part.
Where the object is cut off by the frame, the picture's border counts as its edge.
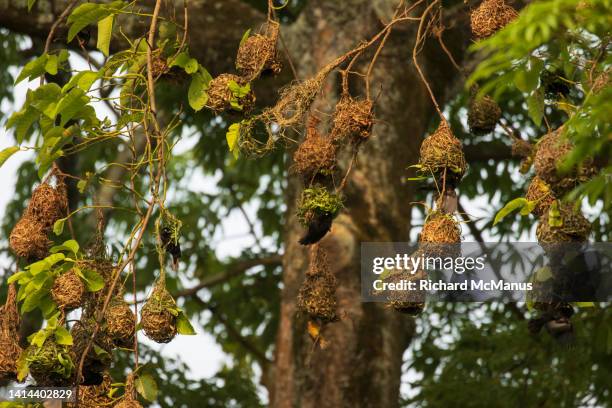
(361, 367)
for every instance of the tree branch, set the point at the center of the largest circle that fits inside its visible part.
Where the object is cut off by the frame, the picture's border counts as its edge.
(496, 150)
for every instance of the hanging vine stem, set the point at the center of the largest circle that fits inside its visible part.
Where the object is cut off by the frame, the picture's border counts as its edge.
(139, 230)
(54, 27)
(419, 40)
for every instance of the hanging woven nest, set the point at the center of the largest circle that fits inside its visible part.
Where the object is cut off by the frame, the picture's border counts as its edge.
(491, 16)
(483, 114)
(315, 156)
(317, 296)
(50, 365)
(68, 291)
(574, 228)
(442, 155)
(410, 302)
(128, 403)
(352, 119)
(99, 357)
(29, 240)
(158, 315)
(106, 269)
(9, 336)
(48, 204)
(129, 398)
(554, 83)
(230, 92)
(441, 236)
(120, 322)
(258, 54)
(95, 396)
(316, 211)
(541, 193)
(551, 151)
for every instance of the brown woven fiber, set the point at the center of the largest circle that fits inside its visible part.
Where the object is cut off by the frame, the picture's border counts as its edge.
(29, 240)
(48, 204)
(483, 114)
(540, 192)
(158, 322)
(491, 16)
(352, 119)
(258, 53)
(68, 291)
(443, 151)
(575, 228)
(220, 95)
(441, 236)
(120, 322)
(315, 155)
(9, 336)
(317, 296)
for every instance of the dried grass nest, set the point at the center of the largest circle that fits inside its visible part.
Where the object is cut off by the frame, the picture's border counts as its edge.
(317, 296)
(158, 317)
(128, 403)
(9, 336)
(222, 98)
(120, 322)
(442, 151)
(483, 114)
(29, 240)
(46, 366)
(440, 236)
(541, 193)
(551, 151)
(315, 156)
(575, 227)
(95, 396)
(407, 302)
(68, 291)
(99, 357)
(491, 16)
(352, 119)
(258, 54)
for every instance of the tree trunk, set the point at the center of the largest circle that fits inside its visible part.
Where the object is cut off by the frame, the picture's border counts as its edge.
(361, 366)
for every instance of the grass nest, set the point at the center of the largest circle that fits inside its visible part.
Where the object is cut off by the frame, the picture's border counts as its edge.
(48, 204)
(68, 291)
(491, 16)
(158, 315)
(317, 296)
(441, 236)
(541, 193)
(120, 322)
(442, 151)
(315, 156)
(95, 396)
(51, 364)
(483, 114)
(226, 92)
(352, 119)
(258, 53)
(574, 228)
(316, 211)
(29, 240)
(99, 357)
(555, 84)
(9, 336)
(128, 403)
(550, 153)
(407, 302)
(104, 268)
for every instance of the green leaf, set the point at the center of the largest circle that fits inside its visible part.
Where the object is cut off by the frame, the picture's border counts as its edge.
(51, 64)
(535, 106)
(183, 60)
(510, 207)
(84, 15)
(183, 325)
(93, 280)
(23, 367)
(528, 208)
(105, 30)
(196, 94)
(45, 98)
(30, 4)
(232, 136)
(33, 299)
(70, 245)
(63, 337)
(6, 153)
(15, 277)
(33, 69)
(83, 80)
(585, 304)
(71, 104)
(245, 37)
(147, 387)
(58, 226)
(22, 121)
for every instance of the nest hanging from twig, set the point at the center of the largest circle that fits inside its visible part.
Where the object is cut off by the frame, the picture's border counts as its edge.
(491, 16)
(410, 302)
(68, 291)
(158, 315)
(51, 364)
(317, 296)
(48, 204)
(99, 356)
(575, 227)
(258, 53)
(483, 114)
(442, 155)
(9, 336)
(551, 151)
(95, 396)
(540, 192)
(120, 322)
(352, 119)
(316, 211)
(222, 98)
(29, 240)
(441, 236)
(315, 156)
